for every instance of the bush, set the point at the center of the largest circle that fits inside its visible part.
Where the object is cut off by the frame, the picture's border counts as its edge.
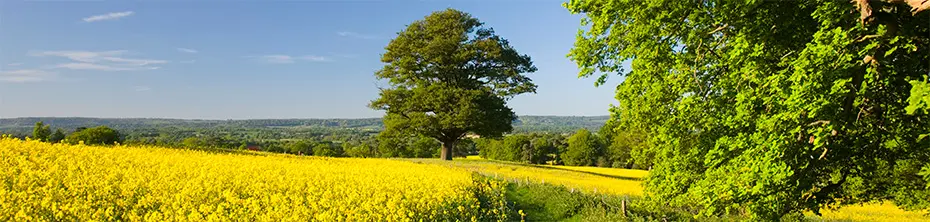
(100, 135)
(325, 149)
(583, 149)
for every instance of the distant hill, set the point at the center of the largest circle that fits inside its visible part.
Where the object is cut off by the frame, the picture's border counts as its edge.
(559, 124)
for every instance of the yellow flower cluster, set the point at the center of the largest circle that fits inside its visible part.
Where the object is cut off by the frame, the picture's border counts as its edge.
(870, 212)
(55, 182)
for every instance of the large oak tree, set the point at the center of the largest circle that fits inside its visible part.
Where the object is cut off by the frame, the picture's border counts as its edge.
(450, 75)
(768, 107)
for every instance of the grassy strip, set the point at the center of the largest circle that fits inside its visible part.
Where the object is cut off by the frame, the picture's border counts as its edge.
(547, 202)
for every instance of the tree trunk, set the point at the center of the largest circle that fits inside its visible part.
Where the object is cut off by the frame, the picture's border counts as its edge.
(446, 153)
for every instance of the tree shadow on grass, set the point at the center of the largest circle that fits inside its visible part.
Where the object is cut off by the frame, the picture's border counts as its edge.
(555, 168)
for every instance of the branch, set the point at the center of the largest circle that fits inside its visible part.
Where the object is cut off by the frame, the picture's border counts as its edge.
(718, 29)
(821, 122)
(867, 37)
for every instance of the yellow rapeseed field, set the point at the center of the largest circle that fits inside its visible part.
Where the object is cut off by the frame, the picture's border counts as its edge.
(881, 212)
(582, 179)
(47, 182)
(609, 172)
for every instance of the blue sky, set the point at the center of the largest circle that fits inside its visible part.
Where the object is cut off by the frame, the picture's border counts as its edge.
(252, 59)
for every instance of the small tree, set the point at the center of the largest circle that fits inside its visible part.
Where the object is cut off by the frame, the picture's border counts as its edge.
(57, 137)
(583, 149)
(449, 76)
(516, 148)
(485, 147)
(326, 149)
(41, 132)
(299, 147)
(543, 149)
(100, 135)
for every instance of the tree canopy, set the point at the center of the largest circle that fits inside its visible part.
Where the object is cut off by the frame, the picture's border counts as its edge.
(768, 107)
(583, 149)
(450, 75)
(41, 131)
(100, 135)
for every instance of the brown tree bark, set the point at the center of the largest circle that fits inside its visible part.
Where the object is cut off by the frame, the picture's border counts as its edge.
(446, 153)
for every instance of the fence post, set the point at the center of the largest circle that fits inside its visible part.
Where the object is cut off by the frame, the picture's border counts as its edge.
(623, 207)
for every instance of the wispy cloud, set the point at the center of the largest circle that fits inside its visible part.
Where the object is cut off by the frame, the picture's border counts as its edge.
(99, 67)
(186, 50)
(279, 59)
(14, 64)
(26, 75)
(134, 62)
(315, 58)
(356, 35)
(108, 16)
(286, 59)
(112, 60)
(141, 88)
(81, 56)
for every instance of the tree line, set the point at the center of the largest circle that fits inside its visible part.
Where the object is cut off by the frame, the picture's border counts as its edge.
(582, 148)
(100, 135)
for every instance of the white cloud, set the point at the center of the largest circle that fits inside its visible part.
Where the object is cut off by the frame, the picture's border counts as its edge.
(356, 35)
(186, 50)
(315, 58)
(108, 16)
(81, 56)
(26, 75)
(99, 67)
(141, 88)
(136, 62)
(14, 64)
(101, 60)
(279, 59)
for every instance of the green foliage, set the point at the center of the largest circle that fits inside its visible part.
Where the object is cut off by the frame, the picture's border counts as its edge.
(101, 135)
(620, 150)
(626, 147)
(542, 202)
(191, 143)
(300, 147)
(766, 107)
(449, 76)
(542, 150)
(41, 132)
(57, 136)
(327, 149)
(584, 148)
(465, 147)
(920, 97)
(516, 148)
(485, 147)
(919, 100)
(546, 202)
(424, 147)
(362, 149)
(528, 148)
